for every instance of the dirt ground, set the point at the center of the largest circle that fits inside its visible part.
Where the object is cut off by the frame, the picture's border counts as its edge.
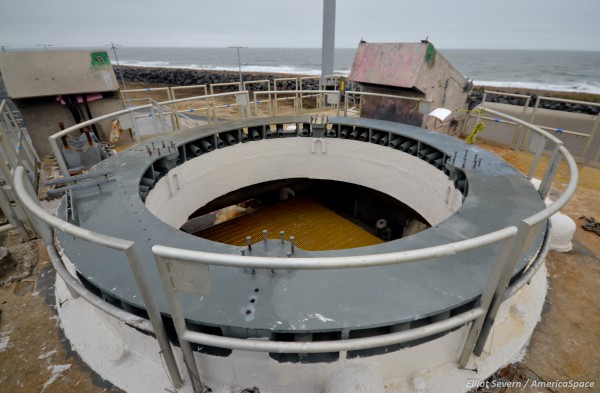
(36, 357)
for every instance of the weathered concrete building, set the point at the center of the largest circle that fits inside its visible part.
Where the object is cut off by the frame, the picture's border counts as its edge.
(67, 87)
(411, 70)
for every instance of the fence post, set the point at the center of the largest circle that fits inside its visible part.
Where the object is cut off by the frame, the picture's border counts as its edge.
(550, 172)
(521, 240)
(506, 251)
(179, 322)
(135, 261)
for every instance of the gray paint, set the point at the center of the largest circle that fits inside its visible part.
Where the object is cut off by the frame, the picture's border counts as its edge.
(499, 196)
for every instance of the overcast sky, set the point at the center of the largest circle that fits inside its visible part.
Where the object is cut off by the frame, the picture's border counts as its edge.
(500, 24)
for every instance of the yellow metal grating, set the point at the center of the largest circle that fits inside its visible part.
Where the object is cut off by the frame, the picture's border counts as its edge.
(314, 227)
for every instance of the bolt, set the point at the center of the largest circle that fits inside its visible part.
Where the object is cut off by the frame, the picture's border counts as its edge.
(292, 238)
(163, 143)
(282, 234)
(265, 237)
(242, 251)
(465, 158)
(475, 161)
(454, 157)
(479, 162)
(249, 241)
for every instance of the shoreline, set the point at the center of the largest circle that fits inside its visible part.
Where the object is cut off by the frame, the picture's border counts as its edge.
(187, 77)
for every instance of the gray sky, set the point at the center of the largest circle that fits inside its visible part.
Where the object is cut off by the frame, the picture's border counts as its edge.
(500, 24)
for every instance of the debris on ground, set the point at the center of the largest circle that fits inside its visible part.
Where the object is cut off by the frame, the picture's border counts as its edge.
(17, 262)
(591, 225)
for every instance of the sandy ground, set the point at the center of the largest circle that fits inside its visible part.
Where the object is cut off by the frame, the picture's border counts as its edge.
(36, 357)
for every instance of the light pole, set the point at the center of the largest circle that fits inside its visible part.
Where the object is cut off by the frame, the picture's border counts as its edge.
(114, 49)
(239, 63)
(328, 47)
(114, 46)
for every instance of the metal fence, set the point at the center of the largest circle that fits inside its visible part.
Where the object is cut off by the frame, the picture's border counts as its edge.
(513, 240)
(16, 150)
(585, 138)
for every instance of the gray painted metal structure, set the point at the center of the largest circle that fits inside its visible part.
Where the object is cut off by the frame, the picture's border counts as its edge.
(495, 190)
(328, 45)
(519, 244)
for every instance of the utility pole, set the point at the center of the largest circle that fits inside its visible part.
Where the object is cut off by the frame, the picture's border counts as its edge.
(239, 63)
(328, 46)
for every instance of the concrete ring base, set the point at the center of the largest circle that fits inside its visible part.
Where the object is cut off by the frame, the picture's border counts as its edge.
(131, 360)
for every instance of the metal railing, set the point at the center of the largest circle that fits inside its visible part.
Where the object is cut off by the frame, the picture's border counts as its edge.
(520, 139)
(15, 150)
(513, 240)
(45, 221)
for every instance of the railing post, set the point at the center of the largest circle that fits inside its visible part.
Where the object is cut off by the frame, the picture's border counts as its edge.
(520, 127)
(506, 251)
(520, 241)
(179, 322)
(550, 172)
(136, 131)
(346, 104)
(135, 261)
(538, 154)
(60, 160)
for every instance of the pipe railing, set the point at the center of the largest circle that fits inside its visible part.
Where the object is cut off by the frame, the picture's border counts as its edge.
(513, 242)
(133, 256)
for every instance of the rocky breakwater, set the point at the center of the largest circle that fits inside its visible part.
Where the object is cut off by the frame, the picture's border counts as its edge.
(188, 77)
(476, 98)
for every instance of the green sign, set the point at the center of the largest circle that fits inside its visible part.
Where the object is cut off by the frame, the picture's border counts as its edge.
(100, 59)
(430, 55)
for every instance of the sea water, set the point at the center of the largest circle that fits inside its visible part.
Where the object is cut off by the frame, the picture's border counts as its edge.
(577, 71)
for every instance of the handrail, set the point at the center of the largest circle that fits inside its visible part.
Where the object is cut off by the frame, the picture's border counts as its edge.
(352, 344)
(481, 315)
(52, 138)
(91, 298)
(133, 256)
(343, 262)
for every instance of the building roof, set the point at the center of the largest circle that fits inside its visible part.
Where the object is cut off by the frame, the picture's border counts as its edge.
(50, 73)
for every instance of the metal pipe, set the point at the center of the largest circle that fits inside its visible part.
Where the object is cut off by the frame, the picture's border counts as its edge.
(194, 150)
(305, 130)
(279, 129)
(268, 133)
(99, 303)
(230, 139)
(345, 262)
(133, 257)
(383, 141)
(363, 136)
(539, 260)
(254, 134)
(206, 145)
(328, 44)
(334, 345)
(7, 227)
(344, 131)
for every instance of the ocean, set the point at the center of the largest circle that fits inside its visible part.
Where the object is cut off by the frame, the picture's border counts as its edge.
(576, 71)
